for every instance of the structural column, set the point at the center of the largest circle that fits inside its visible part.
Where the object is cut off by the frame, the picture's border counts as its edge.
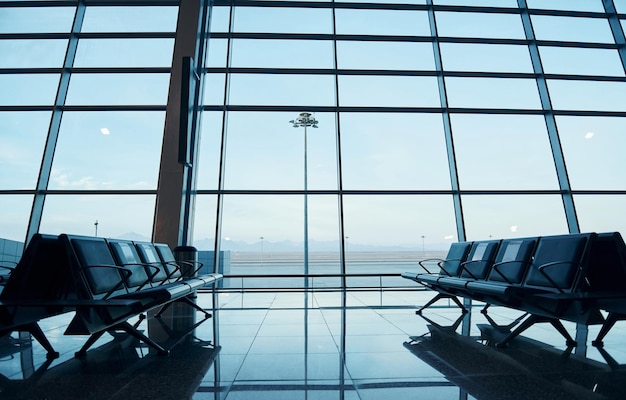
(175, 186)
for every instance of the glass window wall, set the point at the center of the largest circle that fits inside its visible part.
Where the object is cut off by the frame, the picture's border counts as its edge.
(431, 128)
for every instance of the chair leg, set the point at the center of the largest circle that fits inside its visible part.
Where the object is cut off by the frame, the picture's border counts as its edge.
(162, 310)
(508, 327)
(439, 297)
(527, 323)
(190, 302)
(569, 341)
(606, 327)
(534, 319)
(128, 328)
(90, 341)
(38, 334)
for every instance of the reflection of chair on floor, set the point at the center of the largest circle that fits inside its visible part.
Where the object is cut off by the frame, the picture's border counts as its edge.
(175, 335)
(451, 328)
(527, 370)
(115, 370)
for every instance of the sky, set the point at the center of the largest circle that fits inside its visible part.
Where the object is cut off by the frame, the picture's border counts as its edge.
(120, 150)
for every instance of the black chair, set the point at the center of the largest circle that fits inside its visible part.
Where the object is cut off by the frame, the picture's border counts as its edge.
(448, 267)
(37, 288)
(557, 268)
(478, 264)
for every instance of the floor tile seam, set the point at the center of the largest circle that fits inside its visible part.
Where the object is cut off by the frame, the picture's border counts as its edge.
(245, 356)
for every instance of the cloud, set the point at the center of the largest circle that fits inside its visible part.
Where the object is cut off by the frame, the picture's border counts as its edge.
(64, 180)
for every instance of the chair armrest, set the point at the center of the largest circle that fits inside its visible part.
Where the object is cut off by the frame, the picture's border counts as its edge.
(176, 268)
(440, 264)
(464, 266)
(150, 275)
(123, 271)
(10, 268)
(543, 267)
(195, 265)
(420, 263)
(496, 267)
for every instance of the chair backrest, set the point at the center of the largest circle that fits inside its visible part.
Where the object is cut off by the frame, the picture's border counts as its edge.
(566, 256)
(168, 259)
(457, 254)
(88, 252)
(42, 273)
(149, 255)
(512, 260)
(125, 254)
(479, 259)
(607, 263)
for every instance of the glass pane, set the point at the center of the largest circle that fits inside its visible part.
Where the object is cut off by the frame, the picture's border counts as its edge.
(572, 29)
(385, 55)
(248, 218)
(282, 53)
(382, 22)
(573, 5)
(130, 19)
(36, 19)
(109, 89)
(480, 3)
(577, 61)
(311, 90)
(24, 53)
(220, 17)
(389, 91)
(22, 139)
(209, 150)
(393, 151)
(507, 216)
(283, 20)
(499, 93)
(485, 57)
(478, 25)
(587, 95)
(28, 89)
(395, 230)
(620, 6)
(265, 151)
(118, 216)
(217, 51)
(14, 214)
(10, 251)
(108, 150)
(594, 152)
(124, 53)
(503, 152)
(261, 246)
(214, 85)
(389, 1)
(596, 213)
(204, 222)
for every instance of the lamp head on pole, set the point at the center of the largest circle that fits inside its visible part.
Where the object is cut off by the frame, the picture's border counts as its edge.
(305, 119)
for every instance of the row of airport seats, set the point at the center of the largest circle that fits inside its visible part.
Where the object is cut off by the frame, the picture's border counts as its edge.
(573, 277)
(105, 282)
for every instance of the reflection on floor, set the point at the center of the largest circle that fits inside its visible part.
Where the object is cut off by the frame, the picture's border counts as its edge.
(324, 345)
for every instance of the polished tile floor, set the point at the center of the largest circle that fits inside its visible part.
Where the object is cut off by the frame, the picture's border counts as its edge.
(322, 345)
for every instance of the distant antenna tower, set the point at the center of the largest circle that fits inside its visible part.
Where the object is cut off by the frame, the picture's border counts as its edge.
(96, 225)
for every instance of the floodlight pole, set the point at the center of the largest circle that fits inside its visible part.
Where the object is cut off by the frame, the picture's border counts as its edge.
(305, 120)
